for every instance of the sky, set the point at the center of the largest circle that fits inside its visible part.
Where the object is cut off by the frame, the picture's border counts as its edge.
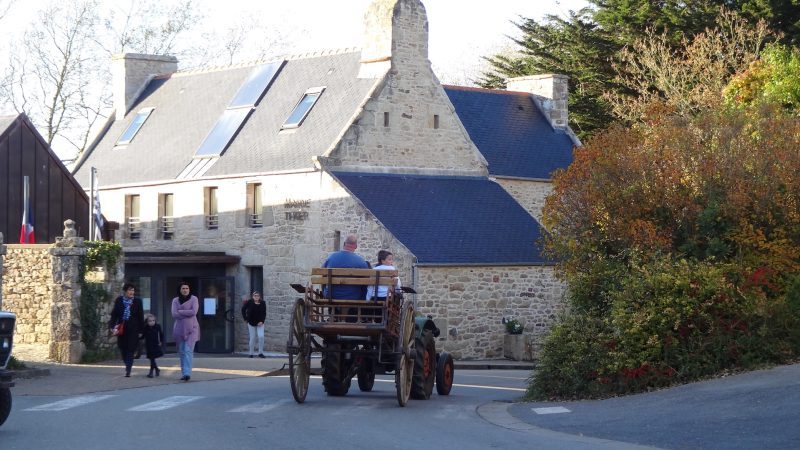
(461, 32)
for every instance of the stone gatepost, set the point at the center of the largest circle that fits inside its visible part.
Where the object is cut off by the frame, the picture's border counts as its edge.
(66, 345)
(2, 252)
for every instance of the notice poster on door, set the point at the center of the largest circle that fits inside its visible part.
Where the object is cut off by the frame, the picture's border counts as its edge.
(209, 306)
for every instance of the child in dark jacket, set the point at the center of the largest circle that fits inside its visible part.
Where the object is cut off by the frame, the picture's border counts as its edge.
(153, 342)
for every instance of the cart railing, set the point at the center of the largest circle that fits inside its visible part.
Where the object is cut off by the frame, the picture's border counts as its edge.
(356, 317)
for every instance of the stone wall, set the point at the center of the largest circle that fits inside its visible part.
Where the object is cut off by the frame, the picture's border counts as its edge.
(41, 287)
(2, 255)
(469, 304)
(27, 293)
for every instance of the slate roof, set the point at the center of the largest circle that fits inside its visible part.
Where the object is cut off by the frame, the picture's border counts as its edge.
(450, 220)
(511, 132)
(187, 105)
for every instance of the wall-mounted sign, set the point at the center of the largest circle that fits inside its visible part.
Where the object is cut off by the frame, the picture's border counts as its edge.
(298, 214)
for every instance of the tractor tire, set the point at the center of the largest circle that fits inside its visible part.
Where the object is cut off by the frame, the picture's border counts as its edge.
(366, 380)
(5, 404)
(333, 372)
(444, 374)
(424, 367)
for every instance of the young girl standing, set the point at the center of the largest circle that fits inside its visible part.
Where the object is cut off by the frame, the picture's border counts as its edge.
(153, 342)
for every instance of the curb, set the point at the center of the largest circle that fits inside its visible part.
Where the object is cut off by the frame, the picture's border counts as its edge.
(490, 365)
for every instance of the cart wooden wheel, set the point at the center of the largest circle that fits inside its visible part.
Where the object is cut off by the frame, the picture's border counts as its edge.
(404, 371)
(299, 350)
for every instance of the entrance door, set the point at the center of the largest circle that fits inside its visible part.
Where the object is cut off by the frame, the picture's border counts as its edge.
(216, 314)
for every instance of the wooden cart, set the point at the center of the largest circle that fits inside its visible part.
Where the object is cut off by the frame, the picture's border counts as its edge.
(359, 338)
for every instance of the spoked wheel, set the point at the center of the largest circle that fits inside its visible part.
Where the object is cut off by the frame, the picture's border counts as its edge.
(424, 366)
(444, 374)
(299, 349)
(405, 362)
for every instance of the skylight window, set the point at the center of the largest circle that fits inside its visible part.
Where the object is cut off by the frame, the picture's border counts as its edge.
(239, 109)
(134, 127)
(223, 132)
(256, 85)
(303, 107)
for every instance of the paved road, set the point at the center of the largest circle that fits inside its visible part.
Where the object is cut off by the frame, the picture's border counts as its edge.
(753, 410)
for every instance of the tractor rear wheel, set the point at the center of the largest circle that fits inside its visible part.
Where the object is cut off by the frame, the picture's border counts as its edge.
(333, 371)
(444, 374)
(424, 367)
(5, 404)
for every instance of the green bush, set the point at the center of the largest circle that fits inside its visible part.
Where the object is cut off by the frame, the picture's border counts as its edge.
(572, 355)
(672, 320)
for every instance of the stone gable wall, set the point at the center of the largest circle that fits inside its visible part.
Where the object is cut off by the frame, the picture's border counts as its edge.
(529, 194)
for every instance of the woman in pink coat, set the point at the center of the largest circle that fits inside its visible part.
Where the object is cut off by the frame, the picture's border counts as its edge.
(186, 330)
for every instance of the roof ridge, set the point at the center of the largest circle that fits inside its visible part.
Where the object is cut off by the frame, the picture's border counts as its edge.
(486, 90)
(253, 63)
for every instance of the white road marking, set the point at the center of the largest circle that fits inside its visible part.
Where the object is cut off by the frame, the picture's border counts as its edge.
(259, 407)
(551, 410)
(167, 403)
(497, 388)
(68, 403)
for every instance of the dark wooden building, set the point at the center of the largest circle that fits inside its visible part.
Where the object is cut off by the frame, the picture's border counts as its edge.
(55, 195)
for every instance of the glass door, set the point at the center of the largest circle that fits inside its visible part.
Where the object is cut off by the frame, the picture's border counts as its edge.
(216, 314)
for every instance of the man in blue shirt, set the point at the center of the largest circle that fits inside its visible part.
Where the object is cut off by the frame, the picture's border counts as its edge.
(347, 259)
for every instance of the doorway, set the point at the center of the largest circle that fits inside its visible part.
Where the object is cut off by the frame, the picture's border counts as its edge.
(157, 285)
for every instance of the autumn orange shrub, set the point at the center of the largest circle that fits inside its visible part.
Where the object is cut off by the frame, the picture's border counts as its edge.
(680, 241)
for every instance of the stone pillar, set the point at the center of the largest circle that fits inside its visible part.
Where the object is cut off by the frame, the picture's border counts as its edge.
(66, 345)
(2, 253)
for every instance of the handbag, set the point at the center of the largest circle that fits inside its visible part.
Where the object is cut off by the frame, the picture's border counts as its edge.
(119, 329)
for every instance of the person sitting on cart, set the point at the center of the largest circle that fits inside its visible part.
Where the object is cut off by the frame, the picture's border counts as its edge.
(346, 259)
(385, 262)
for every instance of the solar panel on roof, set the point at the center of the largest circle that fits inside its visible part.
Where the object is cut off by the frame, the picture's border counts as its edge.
(256, 85)
(220, 136)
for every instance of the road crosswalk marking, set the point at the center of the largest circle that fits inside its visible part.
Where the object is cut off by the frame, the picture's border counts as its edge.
(167, 403)
(68, 403)
(259, 407)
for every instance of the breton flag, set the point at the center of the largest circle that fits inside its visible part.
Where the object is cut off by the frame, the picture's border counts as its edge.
(26, 235)
(97, 215)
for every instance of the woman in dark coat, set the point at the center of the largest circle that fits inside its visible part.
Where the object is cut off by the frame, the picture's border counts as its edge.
(128, 310)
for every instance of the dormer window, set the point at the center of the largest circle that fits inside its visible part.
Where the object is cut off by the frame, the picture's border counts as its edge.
(133, 128)
(303, 107)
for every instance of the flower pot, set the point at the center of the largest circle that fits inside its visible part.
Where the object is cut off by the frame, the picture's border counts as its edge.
(516, 347)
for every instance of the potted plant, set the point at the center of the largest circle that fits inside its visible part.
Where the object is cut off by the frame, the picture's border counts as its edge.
(514, 326)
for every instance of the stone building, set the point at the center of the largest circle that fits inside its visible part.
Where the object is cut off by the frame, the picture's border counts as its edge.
(244, 178)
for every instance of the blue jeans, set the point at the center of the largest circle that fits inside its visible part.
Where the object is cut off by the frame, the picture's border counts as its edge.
(185, 351)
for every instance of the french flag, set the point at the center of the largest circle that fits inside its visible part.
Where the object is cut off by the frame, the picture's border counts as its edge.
(26, 235)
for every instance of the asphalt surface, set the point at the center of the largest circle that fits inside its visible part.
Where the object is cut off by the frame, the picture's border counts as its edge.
(753, 410)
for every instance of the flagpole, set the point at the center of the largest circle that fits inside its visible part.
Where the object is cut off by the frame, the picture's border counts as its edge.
(91, 207)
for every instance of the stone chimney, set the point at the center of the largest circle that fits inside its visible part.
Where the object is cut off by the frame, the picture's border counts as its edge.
(551, 91)
(395, 33)
(130, 74)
